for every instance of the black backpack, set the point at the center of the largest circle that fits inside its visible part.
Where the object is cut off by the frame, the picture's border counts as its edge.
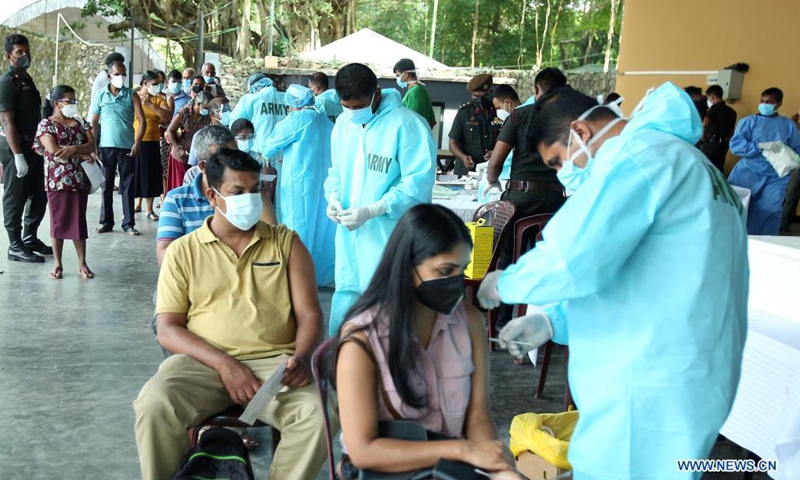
(220, 453)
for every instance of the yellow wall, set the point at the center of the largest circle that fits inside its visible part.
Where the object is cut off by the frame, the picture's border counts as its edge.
(709, 35)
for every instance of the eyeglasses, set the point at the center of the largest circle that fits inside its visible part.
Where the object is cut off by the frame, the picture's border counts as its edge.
(246, 137)
(71, 101)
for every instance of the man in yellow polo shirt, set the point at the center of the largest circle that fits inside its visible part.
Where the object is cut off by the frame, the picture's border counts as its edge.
(232, 297)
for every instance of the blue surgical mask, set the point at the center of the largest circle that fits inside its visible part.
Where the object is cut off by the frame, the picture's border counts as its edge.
(225, 118)
(208, 79)
(401, 83)
(174, 88)
(766, 109)
(204, 112)
(245, 145)
(243, 211)
(362, 116)
(187, 85)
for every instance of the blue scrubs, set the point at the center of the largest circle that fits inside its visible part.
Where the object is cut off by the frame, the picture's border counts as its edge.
(392, 158)
(305, 138)
(327, 102)
(645, 274)
(754, 171)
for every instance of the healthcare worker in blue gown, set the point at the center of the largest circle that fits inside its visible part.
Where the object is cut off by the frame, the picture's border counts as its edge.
(753, 171)
(644, 274)
(304, 136)
(327, 100)
(383, 163)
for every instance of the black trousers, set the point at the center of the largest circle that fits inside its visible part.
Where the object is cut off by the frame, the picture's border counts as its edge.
(790, 201)
(22, 195)
(530, 203)
(716, 150)
(113, 159)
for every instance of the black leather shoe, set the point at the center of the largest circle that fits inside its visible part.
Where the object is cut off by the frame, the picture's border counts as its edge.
(37, 246)
(19, 253)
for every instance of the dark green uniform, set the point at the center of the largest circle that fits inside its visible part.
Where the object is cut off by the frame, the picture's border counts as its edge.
(475, 128)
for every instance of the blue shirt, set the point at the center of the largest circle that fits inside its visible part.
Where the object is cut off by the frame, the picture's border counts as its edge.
(183, 211)
(116, 117)
(181, 100)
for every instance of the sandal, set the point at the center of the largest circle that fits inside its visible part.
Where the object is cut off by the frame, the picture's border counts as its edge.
(85, 272)
(133, 232)
(137, 209)
(152, 216)
(57, 273)
(102, 229)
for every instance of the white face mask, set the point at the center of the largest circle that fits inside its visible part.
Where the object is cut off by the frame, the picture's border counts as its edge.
(70, 110)
(572, 176)
(119, 81)
(710, 103)
(503, 115)
(154, 90)
(243, 210)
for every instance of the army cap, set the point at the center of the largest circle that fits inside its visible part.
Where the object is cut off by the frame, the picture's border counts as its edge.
(480, 83)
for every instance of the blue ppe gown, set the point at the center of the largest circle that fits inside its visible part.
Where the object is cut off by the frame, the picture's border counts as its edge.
(645, 275)
(305, 138)
(754, 171)
(391, 159)
(327, 102)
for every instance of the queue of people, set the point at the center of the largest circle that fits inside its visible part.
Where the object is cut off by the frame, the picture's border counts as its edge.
(237, 295)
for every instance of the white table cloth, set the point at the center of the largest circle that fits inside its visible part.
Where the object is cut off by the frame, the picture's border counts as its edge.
(465, 209)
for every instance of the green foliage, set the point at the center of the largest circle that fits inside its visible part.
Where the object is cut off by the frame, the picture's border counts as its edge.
(499, 28)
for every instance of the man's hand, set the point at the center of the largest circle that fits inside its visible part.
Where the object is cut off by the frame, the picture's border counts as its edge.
(298, 372)
(488, 296)
(240, 382)
(334, 208)
(21, 164)
(469, 162)
(134, 150)
(488, 155)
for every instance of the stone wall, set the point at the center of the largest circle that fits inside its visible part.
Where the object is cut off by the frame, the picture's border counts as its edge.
(77, 66)
(235, 74)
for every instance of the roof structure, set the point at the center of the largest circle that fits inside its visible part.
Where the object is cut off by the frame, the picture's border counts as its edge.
(41, 16)
(367, 46)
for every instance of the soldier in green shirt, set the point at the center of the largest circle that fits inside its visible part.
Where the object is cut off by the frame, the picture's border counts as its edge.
(416, 98)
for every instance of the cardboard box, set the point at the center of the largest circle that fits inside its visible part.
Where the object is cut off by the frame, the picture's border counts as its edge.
(536, 468)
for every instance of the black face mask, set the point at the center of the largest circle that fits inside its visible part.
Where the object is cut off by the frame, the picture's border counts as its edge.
(442, 294)
(24, 62)
(197, 88)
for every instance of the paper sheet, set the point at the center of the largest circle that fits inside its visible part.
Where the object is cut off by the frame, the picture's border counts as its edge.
(268, 178)
(94, 173)
(264, 395)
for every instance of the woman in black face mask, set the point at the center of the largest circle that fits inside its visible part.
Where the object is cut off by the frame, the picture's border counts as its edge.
(411, 349)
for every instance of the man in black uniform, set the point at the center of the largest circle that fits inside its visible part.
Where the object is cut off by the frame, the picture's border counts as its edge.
(700, 102)
(23, 170)
(718, 127)
(534, 188)
(475, 128)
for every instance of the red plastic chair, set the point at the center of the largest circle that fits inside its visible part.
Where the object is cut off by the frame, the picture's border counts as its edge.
(323, 385)
(497, 214)
(525, 229)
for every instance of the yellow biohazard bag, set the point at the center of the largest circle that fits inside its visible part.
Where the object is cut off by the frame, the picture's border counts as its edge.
(527, 435)
(482, 243)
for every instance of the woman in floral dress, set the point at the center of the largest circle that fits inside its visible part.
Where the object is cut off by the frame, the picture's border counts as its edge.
(188, 121)
(64, 143)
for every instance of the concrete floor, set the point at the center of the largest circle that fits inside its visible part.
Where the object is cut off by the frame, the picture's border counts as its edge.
(74, 354)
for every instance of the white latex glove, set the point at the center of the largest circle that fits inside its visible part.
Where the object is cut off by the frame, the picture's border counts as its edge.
(493, 186)
(354, 218)
(481, 168)
(21, 164)
(488, 296)
(334, 208)
(531, 331)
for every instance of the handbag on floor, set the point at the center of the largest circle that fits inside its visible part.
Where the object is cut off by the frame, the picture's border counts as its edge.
(219, 454)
